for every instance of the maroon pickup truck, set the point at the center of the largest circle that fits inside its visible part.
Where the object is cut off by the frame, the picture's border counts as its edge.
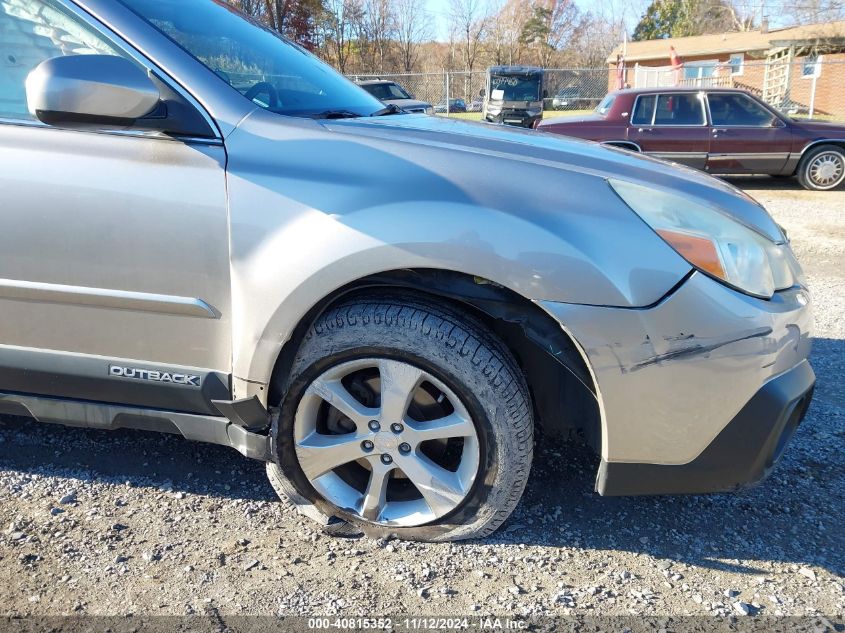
(720, 130)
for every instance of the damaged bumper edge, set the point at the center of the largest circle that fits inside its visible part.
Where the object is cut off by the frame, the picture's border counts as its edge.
(672, 378)
(742, 454)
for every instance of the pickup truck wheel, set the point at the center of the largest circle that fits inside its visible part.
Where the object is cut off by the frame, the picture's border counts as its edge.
(822, 168)
(407, 419)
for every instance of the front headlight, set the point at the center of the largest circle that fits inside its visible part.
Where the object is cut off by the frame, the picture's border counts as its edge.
(713, 242)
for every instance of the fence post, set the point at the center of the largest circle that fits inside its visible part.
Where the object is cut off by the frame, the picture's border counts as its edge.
(813, 93)
(447, 93)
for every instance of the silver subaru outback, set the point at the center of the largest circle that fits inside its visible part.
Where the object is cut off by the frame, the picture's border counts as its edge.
(209, 232)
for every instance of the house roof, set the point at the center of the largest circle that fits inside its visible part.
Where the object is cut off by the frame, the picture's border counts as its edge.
(735, 42)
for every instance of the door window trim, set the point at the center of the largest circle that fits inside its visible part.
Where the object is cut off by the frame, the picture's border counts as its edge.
(776, 115)
(704, 109)
(136, 55)
(636, 103)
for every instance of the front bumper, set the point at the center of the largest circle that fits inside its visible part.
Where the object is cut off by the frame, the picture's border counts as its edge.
(673, 377)
(741, 455)
(516, 118)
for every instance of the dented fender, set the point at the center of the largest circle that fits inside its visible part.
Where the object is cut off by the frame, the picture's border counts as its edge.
(316, 207)
(670, 377)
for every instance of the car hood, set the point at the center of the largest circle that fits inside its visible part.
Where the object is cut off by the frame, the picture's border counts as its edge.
(407, 103)
(458, 141)
(825, 127)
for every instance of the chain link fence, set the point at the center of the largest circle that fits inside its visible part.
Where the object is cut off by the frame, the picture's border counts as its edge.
(567, 89)
(806, 87)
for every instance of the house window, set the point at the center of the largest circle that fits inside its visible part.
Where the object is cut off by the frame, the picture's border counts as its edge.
(812, 66)
(736, 62)
(700, 70)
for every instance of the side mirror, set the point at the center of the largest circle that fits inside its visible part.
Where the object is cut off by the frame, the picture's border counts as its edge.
(481, 92)
(545, 94)
(85, 89)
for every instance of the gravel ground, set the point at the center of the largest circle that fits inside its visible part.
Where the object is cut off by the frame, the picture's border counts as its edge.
(131, 522)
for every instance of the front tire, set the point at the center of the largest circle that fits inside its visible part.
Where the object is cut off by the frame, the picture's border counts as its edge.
(822, 168)
(406, 418)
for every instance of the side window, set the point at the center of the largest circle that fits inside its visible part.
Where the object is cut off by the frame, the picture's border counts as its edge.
(684, 108)
(643, 110)
(606, 104)
(739, 110)
(32, 31)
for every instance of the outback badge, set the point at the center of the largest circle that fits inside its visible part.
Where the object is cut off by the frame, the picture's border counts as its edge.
(156, 376)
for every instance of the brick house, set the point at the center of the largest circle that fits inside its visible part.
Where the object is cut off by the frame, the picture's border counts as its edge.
(796, 69)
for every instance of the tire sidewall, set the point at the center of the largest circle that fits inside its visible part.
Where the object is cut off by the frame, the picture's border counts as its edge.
(441, 360)
(804, 171)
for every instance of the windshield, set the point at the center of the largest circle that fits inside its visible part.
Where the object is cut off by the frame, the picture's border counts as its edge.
(386, 91)
(257, 62)
(515, 87)
(606, 104)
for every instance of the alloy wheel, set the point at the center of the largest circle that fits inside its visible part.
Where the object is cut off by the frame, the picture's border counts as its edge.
(386, 441)
(826, 170)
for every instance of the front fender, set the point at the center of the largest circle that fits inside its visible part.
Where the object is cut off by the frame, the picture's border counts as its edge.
(312, 211)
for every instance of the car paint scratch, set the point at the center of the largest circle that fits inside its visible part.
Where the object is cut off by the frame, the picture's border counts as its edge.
(691, 348)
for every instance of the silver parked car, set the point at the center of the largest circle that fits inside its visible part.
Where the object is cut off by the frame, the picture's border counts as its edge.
(207, 231)
(391, 93)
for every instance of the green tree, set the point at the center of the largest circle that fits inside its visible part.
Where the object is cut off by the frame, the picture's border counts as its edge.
(680, 18)
(658, 21)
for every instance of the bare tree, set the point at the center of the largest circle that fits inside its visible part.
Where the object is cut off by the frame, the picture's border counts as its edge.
(376, 28)
(469, 21)
(276, 12)
(451, 53)
(505, 32)
(338, 31)
(804, 11)
(412, 25)
(596, 37)
(296, 19)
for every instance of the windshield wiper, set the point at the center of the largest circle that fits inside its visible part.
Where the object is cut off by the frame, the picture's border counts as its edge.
(335, 114)
(391, 108)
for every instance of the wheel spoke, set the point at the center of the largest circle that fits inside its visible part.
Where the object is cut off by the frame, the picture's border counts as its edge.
(386, 439)
(375, 495)
(827, 169)
(440, 488)
(453, 425)
(333, 392)
(319, 453)
(398, 383)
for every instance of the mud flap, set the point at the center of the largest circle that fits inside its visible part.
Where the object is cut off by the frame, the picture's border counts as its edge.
(329, 524)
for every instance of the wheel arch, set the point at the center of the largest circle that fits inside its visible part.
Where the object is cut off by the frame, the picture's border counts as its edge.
(559, 378)
(629, 145)
(807, 154)
(839, 142)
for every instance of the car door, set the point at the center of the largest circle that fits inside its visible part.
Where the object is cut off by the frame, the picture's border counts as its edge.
(114, 275)
(671, 126)
(745, 136)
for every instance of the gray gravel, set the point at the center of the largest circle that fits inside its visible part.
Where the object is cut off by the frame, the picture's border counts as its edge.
(131, 522)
